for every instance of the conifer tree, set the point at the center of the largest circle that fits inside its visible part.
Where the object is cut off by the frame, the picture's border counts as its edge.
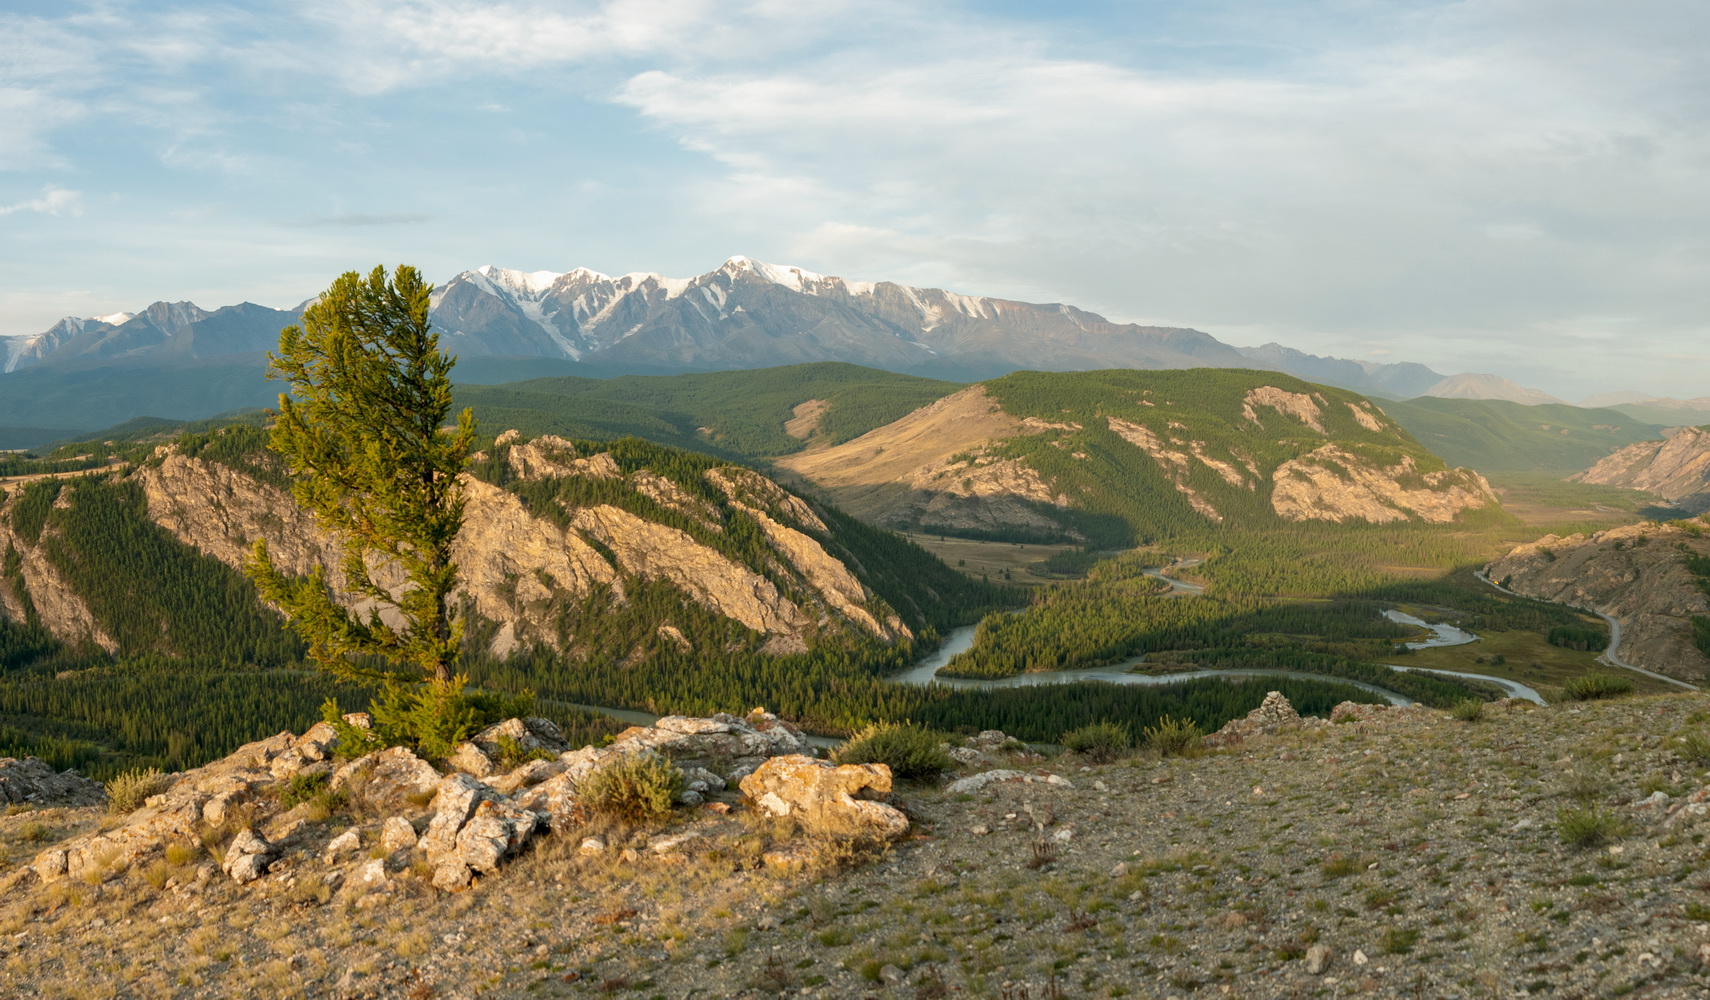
(364, 435)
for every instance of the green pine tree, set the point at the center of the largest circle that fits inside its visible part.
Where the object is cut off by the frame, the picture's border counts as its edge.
(364, 435)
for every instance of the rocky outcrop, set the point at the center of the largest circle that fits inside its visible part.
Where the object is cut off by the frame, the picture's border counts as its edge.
(56, 604)
(1677, 468)
(827, 799)
(1636, 574)
(1298, 405)
(470, 826)
(1274, 715)
(1331, 483)
(33, 781)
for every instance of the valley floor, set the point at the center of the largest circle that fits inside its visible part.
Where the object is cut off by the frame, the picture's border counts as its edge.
(1422, 853)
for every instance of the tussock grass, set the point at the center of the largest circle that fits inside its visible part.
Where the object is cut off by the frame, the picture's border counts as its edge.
(129, 789)
(910, 751)
(1593, 687)
(634, 788)
(1098, 742)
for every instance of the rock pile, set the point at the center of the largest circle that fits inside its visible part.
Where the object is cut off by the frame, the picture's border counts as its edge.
(34, 781)
(1274, 715)
(511, 783)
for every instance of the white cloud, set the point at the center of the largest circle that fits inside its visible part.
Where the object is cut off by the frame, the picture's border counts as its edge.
(52, 201)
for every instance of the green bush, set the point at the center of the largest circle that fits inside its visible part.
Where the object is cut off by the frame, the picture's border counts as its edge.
(1172, 737)
(129, 789)
(910, 751)
(1590, 687)
(634, 788)
(1468, 710)
(430, 718)
(1588, 826)
(1099, 742)
(309, 786)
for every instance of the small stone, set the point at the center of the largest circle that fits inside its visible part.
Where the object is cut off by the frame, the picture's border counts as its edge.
(370, 874)
(1119, 870)
(629, 856)
(1360, 958)
(979, 829)
(246, 868)
(345, 843)
(397, 833)
(591, 846)
(1317, 959)
(891, 975)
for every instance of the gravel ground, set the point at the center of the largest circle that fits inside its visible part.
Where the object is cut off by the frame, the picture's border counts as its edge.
(1410, 855)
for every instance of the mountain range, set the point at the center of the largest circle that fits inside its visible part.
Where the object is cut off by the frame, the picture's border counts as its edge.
(178, 360)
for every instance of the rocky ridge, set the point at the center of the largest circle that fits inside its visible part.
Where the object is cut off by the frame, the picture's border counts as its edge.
(520, 569)
(1635, 574)
(1676, 468)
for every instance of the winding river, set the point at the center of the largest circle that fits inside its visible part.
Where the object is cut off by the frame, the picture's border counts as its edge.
(959, 640)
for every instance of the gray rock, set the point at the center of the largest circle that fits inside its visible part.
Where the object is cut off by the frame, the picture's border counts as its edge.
(347, 842)
(1317, 959)
(34, 780)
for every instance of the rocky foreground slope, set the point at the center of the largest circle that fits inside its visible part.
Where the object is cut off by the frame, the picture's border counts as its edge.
(1637, 574)
(1388, 853)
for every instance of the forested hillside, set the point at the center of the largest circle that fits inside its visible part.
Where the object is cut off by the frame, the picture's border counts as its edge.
(751, 413)
(1115, 457)
(1495, 436)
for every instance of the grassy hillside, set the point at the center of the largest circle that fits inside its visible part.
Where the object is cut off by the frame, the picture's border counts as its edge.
(1495, 436)
(735, 413)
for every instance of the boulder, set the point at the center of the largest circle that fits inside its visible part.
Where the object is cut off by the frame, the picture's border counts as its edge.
(723, 739)
(976, 782)
(473, 831)
(34, 781)
(348, 842)
(393, 780)
(529, 774)
(396, 834)
(826, 798)
(247, 857)
(472, 760)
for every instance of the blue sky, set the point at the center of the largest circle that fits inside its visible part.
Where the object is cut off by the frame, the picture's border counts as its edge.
(1515, 186)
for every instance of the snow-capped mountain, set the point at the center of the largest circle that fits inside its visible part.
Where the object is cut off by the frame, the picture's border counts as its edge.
(749, 313)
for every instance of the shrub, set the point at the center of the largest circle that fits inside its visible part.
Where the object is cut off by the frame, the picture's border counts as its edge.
(1172, 737)
(1694, 748)
(129, 789)
(910, 751)
(634, 788)
(431, 718)
(1099, 742)
(1468, 710)
(1590, 687)
(1587, 827)
(311, 787)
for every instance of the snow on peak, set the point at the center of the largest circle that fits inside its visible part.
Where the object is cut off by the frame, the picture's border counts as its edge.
(794, 278)
(115, 318)
(531, 282)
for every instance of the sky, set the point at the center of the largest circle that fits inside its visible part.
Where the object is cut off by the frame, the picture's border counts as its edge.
(1507, 186)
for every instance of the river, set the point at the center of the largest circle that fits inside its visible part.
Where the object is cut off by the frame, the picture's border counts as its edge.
(925, 671)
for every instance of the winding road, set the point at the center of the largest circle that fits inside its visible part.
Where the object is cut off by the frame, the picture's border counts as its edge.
(1609, 656)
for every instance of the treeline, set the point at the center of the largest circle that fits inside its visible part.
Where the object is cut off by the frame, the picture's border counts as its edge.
(33, 465)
